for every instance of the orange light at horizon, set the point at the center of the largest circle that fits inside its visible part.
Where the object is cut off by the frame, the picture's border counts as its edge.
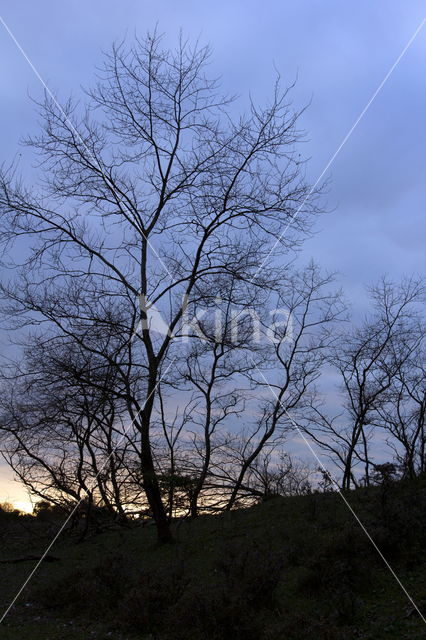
(24, 506)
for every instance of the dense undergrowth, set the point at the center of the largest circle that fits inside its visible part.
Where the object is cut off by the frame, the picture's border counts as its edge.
(295, 568)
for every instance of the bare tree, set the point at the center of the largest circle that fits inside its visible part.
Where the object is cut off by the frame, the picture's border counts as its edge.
(62, 428)
(215, 370)
(296, 351)
(403, 414)
(278, 475)
(369, 359)
(148, 195)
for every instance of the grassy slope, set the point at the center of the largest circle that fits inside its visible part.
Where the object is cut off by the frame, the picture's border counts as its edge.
(332, 584)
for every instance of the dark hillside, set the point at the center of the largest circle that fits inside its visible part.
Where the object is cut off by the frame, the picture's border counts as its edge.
(296, 568)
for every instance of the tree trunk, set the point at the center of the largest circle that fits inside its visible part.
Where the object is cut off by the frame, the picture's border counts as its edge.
(150, 481)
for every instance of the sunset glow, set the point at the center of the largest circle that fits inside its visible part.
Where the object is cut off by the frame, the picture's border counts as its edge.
(24, 506)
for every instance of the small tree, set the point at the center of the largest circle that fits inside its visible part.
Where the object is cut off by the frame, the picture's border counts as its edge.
(369, 359)
(403, 415)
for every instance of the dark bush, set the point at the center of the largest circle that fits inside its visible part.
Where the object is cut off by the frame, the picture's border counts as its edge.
(253, 572)
(229, 605)
(232, 600)
(97, 590)
(154, 593)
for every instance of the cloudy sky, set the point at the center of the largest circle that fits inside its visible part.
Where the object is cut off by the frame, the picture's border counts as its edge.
(340, 52)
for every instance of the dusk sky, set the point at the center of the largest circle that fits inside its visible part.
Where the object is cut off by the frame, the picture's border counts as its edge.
(340, 53)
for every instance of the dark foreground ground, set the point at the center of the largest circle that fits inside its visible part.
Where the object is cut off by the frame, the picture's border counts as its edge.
(291, 568)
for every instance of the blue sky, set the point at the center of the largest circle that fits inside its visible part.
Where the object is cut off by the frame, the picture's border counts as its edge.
(340, 52)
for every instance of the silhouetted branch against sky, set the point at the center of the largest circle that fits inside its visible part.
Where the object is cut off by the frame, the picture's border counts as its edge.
(159, 239)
